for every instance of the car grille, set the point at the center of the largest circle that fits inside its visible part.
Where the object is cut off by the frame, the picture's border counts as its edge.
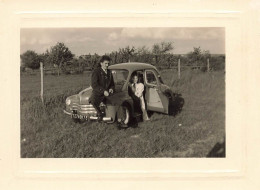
(83, 109)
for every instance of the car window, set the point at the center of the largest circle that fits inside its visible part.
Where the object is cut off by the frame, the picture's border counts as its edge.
(140, 75)
(150, 78)
(120, 77)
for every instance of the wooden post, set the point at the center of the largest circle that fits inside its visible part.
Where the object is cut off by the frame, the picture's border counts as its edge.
(179, 68)
(208, 64)
(41, 66)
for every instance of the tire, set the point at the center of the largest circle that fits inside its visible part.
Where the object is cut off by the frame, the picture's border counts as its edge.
(125, 118)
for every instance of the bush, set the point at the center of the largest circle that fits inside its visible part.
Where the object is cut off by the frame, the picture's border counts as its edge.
(217, 63)
(30, 59)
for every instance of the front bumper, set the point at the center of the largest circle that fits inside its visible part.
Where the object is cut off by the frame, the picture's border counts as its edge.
(85, 117)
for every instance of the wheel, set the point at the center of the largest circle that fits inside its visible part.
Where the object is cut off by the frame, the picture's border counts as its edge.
(124, 117)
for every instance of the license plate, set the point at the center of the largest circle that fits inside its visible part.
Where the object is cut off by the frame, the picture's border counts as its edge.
(76, 116)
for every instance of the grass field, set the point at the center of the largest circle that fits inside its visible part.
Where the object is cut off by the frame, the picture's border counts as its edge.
(198, 131)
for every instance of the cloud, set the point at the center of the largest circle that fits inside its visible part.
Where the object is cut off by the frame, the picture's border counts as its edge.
(30, 41)
(113, 36)
(105, 40)
(44, 40)
(198, 33)
(78, 39)
(142, 33)
(23, 40)
(86, 39)
(172, 33)
(34, 40)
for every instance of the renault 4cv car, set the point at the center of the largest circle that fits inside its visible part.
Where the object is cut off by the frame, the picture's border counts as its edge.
(158, 96)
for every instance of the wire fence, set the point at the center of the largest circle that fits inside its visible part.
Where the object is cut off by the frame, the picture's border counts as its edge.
(79, 70)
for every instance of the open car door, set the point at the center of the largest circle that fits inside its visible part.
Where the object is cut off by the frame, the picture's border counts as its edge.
(153, 97)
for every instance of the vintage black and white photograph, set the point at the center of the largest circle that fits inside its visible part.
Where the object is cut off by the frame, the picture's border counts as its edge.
(122, 92)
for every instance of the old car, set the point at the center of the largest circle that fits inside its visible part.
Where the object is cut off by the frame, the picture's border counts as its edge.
(120, 106)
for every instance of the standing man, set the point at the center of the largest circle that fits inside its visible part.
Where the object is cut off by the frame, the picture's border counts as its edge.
(102, 83)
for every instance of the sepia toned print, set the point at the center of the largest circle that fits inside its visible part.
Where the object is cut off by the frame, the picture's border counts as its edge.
(182, 71)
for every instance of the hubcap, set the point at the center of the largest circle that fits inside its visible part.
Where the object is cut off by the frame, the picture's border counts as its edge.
(126, 121)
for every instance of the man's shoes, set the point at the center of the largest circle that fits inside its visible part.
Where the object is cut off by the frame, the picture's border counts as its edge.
(100, 117)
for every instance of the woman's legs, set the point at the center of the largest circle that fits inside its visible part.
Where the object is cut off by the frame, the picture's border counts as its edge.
(145, 115)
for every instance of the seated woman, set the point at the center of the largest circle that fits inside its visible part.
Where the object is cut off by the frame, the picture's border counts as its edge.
(138, 88)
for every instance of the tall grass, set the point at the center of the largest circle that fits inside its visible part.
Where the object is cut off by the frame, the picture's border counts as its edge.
(47, 132)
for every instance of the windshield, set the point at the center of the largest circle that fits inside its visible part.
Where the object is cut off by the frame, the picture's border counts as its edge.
(120, 77)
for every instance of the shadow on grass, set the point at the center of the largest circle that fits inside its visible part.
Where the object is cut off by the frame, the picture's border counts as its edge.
(132, 124)
(218, 151)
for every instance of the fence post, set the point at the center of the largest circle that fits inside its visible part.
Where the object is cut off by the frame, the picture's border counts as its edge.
(41, 66)
(179, 68)
(208, 64)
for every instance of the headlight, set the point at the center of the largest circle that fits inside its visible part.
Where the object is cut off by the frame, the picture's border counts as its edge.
(68, 101)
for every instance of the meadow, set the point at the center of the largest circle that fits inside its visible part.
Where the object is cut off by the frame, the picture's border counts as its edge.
(197, 131)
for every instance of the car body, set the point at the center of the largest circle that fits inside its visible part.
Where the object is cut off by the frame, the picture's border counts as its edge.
(157, 95)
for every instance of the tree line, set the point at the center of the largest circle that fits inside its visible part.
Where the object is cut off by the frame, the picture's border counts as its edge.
(161, 55)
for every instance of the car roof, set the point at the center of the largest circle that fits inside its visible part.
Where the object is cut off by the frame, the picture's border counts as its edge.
(132, 66)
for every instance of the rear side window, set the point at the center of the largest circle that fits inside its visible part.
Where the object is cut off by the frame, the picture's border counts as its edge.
(150, 78)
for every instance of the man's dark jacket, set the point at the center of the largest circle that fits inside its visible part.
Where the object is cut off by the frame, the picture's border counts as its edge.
(100, 82)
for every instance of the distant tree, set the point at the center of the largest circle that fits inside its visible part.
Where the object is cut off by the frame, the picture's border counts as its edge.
(206, 54)
(82, 62)
(85, 61)
(95, 61)
(43, 57)
(143, 54)
(126, 53)
(169, 60)
(143, 50)
(59, 55)
(30, 59)
(114, 57)
(159, 50)
(74, 66)
(217, 62)
(196, 56)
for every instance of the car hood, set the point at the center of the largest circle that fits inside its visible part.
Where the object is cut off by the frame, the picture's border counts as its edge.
(74, 99)
(82, 97)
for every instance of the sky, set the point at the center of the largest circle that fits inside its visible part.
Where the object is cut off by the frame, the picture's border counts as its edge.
(82, 41)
